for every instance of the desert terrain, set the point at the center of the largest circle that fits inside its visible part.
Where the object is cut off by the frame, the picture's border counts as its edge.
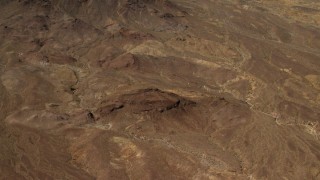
(160, 89)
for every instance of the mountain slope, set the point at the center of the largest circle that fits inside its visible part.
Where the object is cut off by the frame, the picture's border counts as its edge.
(158, 89)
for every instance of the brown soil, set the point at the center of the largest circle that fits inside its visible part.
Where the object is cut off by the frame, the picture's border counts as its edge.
(159, 89)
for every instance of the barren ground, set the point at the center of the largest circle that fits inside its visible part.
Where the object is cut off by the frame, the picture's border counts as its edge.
(159, 89)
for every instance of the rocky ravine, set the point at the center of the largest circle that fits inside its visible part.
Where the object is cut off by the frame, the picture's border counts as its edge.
(159, 89)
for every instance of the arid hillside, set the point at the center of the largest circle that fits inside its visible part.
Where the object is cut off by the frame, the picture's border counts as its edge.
(160, 89)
